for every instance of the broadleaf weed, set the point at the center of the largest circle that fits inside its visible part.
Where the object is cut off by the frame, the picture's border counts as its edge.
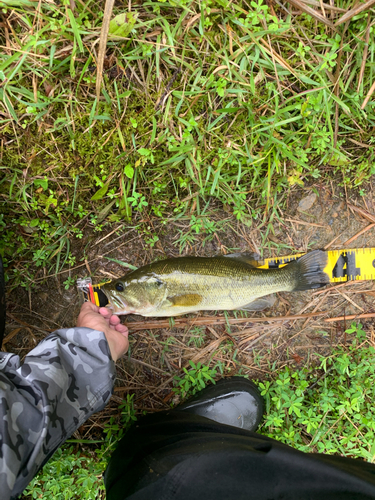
(328, 410)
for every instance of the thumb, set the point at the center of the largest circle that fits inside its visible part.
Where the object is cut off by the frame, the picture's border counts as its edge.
(118, 342)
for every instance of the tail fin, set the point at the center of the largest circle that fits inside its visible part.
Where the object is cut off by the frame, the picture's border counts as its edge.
(309, 271)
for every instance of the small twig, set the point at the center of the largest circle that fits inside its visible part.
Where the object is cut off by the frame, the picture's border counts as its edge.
(305, 223)
(29, 326)
(361, 144)
(368, 96)
(278, 57)
(362, 212)
(338, 286)
(211, 320)
(364, 230)
(147, 365)
(325, 5)
(167, 88)
(351, 301)
(320, 378)
(320, 423)
(256, 340)
(355, 11)
(210, 348)
(365, 292)
(332, 241)
(313, 13)
(336, 132)
(350, 316)
(336, 88)
(365, 52)
(370, 92)
(103, 44)
(107, 235)
(274, 66)
(248, 339)
(322, 8)
(315, 309)
(11, 335)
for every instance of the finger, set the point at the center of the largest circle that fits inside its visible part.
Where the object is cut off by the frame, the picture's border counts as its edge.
(118, 344)
(122, 329)
(106, 313)
(114, 320)
(122, 347)
(88, 307)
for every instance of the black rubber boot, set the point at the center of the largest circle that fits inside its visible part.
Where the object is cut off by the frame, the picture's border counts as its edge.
(2, 303)
(233, 401)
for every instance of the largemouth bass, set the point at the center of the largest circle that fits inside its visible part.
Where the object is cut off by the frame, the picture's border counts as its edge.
(187, 284)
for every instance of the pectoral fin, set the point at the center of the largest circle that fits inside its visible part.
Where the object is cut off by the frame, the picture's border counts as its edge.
(186, 300)
(260, 304)
(250, 258)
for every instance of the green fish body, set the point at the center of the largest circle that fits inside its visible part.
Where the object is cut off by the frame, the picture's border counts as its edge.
(188, 284)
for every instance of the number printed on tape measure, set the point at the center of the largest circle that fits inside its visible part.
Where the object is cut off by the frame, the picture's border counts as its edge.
(343, 265)
(346, 267)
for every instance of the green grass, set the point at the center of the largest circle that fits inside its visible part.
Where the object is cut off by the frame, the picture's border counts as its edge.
(75, 471)
(203, 104)
(68, 475)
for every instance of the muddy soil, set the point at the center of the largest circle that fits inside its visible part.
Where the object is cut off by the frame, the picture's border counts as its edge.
(156, 356)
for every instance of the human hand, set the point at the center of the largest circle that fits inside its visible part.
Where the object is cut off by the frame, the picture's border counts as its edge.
(102, 319)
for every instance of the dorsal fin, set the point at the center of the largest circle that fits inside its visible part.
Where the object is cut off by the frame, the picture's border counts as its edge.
(250, 258)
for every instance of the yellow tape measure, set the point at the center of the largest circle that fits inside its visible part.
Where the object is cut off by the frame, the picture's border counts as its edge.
(343, 265)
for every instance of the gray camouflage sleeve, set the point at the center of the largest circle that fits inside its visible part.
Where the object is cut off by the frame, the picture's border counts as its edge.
(65, 379)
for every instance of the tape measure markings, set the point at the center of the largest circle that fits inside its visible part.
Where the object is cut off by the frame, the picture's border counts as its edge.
(343, 265)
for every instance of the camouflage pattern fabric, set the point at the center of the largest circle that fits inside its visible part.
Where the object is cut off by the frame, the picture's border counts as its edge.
(65, 379)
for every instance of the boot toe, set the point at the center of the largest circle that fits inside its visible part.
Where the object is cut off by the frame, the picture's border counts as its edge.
(234, 401)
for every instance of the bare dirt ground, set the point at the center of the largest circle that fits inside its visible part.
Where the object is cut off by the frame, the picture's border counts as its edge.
(258, 349)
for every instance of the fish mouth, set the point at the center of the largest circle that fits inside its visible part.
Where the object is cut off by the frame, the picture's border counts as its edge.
(116, 305)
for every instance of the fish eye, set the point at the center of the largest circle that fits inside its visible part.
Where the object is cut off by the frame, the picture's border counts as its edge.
(119, 287)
